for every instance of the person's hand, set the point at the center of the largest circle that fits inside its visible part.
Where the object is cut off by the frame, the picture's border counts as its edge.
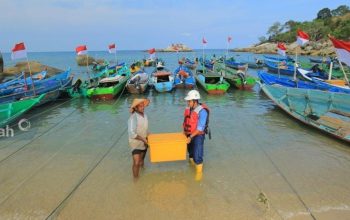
(145, 141)
(189, 140)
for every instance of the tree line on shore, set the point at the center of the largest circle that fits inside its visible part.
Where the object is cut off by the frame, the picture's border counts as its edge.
(335, 22)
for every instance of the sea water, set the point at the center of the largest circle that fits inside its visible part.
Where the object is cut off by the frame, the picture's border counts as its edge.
(75, 163)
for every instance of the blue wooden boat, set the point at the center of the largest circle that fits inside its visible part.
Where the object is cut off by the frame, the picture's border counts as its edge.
(184, 78)
(315, 60)
(20, 80)
(278, 59)
(272, 79)
(285, 69)
(190, 64)
(162, 79)
(326, 111)
(234, 64)
(60, 82)
(281, 69)
(207, 63)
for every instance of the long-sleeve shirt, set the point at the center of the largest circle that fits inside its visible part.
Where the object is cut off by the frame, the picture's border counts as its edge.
(137, 125)
(202, 119)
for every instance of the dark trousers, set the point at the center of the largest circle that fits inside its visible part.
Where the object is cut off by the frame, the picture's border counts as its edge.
(195, 148)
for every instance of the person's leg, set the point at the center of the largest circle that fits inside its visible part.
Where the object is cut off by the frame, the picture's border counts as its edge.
(198, 142)
(190, 152)
(143, 155)
(136, 164)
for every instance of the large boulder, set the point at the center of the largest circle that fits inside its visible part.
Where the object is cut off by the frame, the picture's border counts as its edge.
(35, 67)
(83, 60)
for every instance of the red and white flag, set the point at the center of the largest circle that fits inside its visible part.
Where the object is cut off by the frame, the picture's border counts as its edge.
(302, 37)
(19, 51)
(204, 41)
(342, 49)
(112, 48)
(281, 49)
(81, 50)
(152, 51)
(229, 38)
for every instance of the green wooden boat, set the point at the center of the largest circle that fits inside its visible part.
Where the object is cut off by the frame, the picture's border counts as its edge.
(326, 111)
(109, 87)
(80, 87)
(13, 110)
(212, 83)
(237, 78)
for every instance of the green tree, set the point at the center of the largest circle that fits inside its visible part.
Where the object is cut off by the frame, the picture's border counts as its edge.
(275, 29)
(341, 10)
(324, 13)
(262, 39)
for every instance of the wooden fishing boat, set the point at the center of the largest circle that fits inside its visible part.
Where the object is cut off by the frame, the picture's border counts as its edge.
(255, 65)
(238, 78)
(212, 83)
(192, 65)
(326, 111)
(60, 82)
(272, 79)
(149, 62)
(163, 80)
(109, 87)
(278, 59)
(80, 87)
(7, 87)
(184, 78)
(13, 110)
(138, 83)
(234, 64)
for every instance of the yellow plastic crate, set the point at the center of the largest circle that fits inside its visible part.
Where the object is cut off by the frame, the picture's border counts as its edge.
(167, 147)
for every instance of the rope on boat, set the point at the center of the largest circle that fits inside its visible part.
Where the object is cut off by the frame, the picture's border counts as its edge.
(63, 203)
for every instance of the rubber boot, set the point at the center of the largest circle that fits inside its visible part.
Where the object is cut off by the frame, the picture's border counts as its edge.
(199, 172)
(191, 161)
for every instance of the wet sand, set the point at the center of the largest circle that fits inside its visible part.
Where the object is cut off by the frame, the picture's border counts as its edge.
(75, 163)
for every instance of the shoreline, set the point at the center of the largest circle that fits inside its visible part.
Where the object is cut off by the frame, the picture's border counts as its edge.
(323, 48)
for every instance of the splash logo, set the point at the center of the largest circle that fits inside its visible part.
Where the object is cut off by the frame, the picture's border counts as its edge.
(24, 124)
(7, 132)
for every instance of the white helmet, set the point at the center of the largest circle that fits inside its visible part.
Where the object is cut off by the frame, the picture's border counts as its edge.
(193, 95)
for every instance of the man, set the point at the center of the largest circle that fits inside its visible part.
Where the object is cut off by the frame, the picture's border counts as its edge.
(196, 117)
(138, 132)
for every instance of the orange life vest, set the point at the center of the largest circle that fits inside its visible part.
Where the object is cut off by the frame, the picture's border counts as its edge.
(191, 119)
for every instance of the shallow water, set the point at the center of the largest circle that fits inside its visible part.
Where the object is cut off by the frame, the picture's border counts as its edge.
(75, 163)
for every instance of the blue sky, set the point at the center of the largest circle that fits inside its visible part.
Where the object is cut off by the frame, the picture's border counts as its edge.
(61, 25)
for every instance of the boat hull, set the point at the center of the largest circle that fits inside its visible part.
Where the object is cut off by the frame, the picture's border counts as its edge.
(329, 112)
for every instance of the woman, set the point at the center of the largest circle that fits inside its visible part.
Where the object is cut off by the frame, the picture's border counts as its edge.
(138, 132)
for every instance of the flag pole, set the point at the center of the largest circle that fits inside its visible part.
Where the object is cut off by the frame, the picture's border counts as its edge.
(345, 76)
(115, 56)
(87, 66)
(30, 74)
(295, 63)
(203, 56)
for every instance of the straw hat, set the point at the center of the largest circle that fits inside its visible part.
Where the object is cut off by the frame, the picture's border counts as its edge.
(136, 102)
